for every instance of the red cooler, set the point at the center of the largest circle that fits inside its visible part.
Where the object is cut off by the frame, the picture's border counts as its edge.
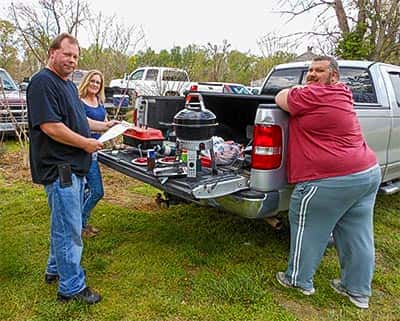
(143, 138)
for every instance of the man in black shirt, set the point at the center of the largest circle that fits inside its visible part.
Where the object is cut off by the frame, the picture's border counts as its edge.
(60, 147)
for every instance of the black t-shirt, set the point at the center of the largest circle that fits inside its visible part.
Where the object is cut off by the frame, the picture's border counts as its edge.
(52, 99)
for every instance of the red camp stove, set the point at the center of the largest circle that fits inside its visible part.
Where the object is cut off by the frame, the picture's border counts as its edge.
(143, 137)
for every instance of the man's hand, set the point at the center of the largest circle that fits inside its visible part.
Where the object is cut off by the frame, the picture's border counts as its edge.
(92, 145)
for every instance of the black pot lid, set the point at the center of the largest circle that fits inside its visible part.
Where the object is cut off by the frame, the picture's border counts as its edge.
(195, 117)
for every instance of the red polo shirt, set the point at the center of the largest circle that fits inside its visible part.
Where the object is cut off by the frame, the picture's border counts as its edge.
(325, 138)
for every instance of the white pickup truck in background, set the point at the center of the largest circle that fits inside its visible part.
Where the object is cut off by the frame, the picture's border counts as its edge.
(154, 81)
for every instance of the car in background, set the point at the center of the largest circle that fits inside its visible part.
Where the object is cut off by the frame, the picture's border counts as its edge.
(13, 110)
(220, 87)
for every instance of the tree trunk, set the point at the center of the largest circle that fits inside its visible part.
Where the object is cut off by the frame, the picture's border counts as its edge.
(341, 16)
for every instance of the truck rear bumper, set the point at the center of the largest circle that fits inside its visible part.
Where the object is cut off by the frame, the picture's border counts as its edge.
(249, 203)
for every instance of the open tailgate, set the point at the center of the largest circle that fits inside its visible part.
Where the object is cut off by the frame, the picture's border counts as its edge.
(204, 186)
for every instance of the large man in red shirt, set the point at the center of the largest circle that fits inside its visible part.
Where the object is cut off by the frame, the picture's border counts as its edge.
(337, 178)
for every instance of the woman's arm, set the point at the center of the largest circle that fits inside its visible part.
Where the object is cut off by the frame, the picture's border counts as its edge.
(101, 126)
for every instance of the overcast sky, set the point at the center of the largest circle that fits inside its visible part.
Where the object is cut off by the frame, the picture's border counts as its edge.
(167, 23)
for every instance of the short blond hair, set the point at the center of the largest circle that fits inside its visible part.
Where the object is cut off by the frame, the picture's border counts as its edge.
(56, 42)
(84, 84)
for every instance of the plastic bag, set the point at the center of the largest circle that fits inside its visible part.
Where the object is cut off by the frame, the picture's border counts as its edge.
(225, 151)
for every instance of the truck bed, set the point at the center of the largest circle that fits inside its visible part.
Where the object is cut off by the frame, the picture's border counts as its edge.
(235, 113)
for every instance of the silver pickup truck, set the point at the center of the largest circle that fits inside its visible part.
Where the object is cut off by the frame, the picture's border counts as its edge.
(255, 185)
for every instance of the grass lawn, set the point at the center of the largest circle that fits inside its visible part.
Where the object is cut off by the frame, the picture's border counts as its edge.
(178, 264)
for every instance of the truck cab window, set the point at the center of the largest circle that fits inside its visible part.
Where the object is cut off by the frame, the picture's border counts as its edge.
(360, 83)
(174, 75)
(395, 79)
(281, 79)
(138, 75)
(152, 74)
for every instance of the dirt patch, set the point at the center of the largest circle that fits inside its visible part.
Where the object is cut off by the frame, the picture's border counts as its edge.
(115, 184)
(12, 167)
(116, 191)
(301, 310)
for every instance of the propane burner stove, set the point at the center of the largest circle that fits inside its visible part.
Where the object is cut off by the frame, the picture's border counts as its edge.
(193, 148)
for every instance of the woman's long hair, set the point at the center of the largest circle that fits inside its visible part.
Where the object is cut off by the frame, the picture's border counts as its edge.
(84, 84)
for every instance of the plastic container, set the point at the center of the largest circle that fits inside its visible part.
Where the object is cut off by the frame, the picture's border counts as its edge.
(122, 100)
(205, 161)
(144, 138)
(184, 157)
(151, 160)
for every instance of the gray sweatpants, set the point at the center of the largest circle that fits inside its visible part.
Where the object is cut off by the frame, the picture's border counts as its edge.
(343, 206)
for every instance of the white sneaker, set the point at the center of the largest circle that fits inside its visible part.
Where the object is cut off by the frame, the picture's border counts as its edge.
(280, 276)
(360, 301)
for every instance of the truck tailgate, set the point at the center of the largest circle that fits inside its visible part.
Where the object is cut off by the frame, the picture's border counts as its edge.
(204, 186)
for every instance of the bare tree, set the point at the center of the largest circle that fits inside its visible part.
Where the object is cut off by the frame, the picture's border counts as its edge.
(272, 43)
(218, 55)
(374, 25)
(112, 42)
(39, 23)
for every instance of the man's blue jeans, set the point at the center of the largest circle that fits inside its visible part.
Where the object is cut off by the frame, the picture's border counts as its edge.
(95, 189)
(65, 235)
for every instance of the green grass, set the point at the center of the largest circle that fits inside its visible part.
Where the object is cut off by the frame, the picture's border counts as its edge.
(145, 189)
(184, 263)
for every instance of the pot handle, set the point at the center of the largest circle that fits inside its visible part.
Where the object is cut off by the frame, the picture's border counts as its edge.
(195, 105)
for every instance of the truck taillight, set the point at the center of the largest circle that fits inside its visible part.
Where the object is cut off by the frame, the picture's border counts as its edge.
(194, 88)
(267, 147)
